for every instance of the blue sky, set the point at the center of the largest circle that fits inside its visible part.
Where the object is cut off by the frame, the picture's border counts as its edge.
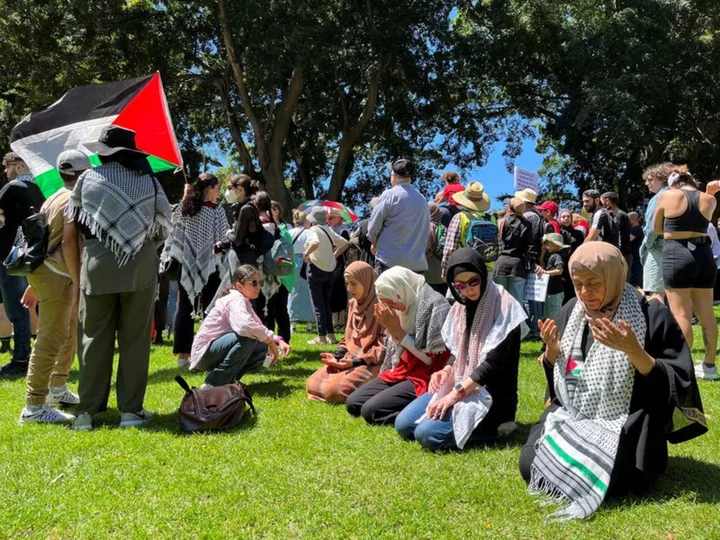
(496, 178)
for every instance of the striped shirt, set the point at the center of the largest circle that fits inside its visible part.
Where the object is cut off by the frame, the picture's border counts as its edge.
(399, 228)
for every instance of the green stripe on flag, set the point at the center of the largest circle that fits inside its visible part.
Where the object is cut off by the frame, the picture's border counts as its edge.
(157, 164)
(579, 466)
(49, 182)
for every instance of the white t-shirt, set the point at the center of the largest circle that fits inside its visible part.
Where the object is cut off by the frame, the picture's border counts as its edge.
(323, 257)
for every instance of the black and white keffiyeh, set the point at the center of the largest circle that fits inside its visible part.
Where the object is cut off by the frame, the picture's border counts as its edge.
(191, 244)
(121, 207)
(576, 454)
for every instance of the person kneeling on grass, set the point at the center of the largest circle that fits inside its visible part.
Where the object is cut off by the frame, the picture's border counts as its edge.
(620, 375)
(358, 357)
(413, 315)
(232, 340)
(474, 398)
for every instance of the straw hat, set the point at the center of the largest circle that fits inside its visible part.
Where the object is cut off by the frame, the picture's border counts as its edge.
(474, 197)
(527, 195)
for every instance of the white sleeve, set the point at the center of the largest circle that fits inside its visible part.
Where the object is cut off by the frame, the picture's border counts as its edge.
(409, 343)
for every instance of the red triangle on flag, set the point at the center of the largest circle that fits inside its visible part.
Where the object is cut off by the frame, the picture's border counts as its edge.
(570, 366)
(148, 116)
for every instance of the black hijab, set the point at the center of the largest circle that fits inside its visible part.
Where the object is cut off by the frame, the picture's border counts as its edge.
(467, 260)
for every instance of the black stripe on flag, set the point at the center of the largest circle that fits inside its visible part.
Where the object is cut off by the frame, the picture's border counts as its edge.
(81, 104)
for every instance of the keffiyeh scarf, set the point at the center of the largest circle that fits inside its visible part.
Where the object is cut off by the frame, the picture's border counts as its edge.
(432, 310)
(121, 207)
(191, 244)
(576, 454)
(497, 315)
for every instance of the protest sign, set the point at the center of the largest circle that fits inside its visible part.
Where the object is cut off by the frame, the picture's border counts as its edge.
(536, 287)
(526, 179)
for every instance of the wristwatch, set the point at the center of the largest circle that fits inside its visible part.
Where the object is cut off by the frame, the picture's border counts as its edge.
(460, 389)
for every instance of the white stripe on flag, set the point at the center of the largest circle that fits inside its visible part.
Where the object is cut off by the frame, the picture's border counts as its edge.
(40, 151)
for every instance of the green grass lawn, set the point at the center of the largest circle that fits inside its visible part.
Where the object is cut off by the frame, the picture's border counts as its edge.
(307, 469)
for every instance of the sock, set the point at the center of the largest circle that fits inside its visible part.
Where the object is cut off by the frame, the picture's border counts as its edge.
(33, 408)
(58, 389)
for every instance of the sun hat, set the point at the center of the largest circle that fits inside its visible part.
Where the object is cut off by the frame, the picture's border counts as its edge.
(72, 161)
(527, 195)
(114, 139)
(474, 197)
(555, 238)
(550, 206)
(316, 215)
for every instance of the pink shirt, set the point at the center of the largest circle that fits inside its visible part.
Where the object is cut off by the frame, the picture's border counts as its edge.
(232, 313)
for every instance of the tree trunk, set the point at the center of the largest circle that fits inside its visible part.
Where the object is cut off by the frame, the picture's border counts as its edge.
(345, 158)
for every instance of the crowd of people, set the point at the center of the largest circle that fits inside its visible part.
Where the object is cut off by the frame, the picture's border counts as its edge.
(430, 298)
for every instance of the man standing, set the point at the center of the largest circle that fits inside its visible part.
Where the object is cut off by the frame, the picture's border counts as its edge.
(19, 199)
(124, 215)
(622, 222)
(534, 309)
(400, 223)
(548, 210)
(636, 238)
(602, 225)
(52, 287)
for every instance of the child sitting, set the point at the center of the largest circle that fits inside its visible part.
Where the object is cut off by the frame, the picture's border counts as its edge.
(232, 339)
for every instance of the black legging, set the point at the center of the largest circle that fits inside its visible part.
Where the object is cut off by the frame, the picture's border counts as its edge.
(277, 312)
(379, 402)
(184, 326)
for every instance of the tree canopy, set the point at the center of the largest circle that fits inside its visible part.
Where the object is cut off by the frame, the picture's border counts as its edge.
(313, 98)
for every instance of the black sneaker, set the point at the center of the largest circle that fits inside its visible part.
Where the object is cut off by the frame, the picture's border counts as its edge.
(14, 369)
(5, 347)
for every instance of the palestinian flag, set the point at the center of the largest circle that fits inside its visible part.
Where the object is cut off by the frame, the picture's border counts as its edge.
(81, 114)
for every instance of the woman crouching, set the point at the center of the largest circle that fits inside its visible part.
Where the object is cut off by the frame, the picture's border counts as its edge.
(474, 399)
(232, 339)
(359, 355)
(412, 314)
(617, 368)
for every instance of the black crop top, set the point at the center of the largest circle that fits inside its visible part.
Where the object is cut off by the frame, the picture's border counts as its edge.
(691, 220)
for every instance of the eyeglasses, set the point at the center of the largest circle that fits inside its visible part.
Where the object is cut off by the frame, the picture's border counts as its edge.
(255, 283)
(474, 282)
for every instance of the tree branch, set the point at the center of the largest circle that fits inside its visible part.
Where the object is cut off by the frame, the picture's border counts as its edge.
(238, 73)
(234, 127)
(285, 111)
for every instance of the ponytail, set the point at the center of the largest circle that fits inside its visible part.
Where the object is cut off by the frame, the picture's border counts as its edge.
(192, 201)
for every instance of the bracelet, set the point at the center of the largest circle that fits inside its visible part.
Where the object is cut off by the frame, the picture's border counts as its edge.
(277, 340)
(358, 362)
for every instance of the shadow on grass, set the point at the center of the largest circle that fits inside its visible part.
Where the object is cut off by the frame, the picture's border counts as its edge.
(170, 423)
(298, 372)
(684, 477)
(273, 388)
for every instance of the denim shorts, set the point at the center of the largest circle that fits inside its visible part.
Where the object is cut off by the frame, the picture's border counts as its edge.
(689, 264)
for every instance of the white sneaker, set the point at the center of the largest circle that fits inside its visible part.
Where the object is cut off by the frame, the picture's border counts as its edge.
(506, 429)
(83, 422)
(183, 363)
(44, 414)
(61, 395)
(702, 371)
(205, 386)
(134, 419)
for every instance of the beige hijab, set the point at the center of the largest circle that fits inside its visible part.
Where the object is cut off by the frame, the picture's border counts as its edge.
(362, 331)
(605, 261)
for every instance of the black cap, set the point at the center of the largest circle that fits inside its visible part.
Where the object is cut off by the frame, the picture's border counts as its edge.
(401, 167)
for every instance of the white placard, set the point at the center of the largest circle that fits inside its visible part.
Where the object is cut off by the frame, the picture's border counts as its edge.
(536, 287)
(526, 179)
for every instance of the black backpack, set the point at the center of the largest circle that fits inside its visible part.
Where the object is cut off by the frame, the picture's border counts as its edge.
(23, 259)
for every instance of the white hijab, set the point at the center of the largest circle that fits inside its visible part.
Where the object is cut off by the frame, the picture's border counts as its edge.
(401, 285)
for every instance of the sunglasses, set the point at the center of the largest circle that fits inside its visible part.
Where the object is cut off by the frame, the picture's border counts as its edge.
(255, 283)
(474, 282)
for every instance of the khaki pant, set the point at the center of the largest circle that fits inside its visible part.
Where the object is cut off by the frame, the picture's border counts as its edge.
(127, 316)
(54, 350)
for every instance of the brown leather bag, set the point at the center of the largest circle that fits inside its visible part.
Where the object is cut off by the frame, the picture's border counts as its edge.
(217, 408)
